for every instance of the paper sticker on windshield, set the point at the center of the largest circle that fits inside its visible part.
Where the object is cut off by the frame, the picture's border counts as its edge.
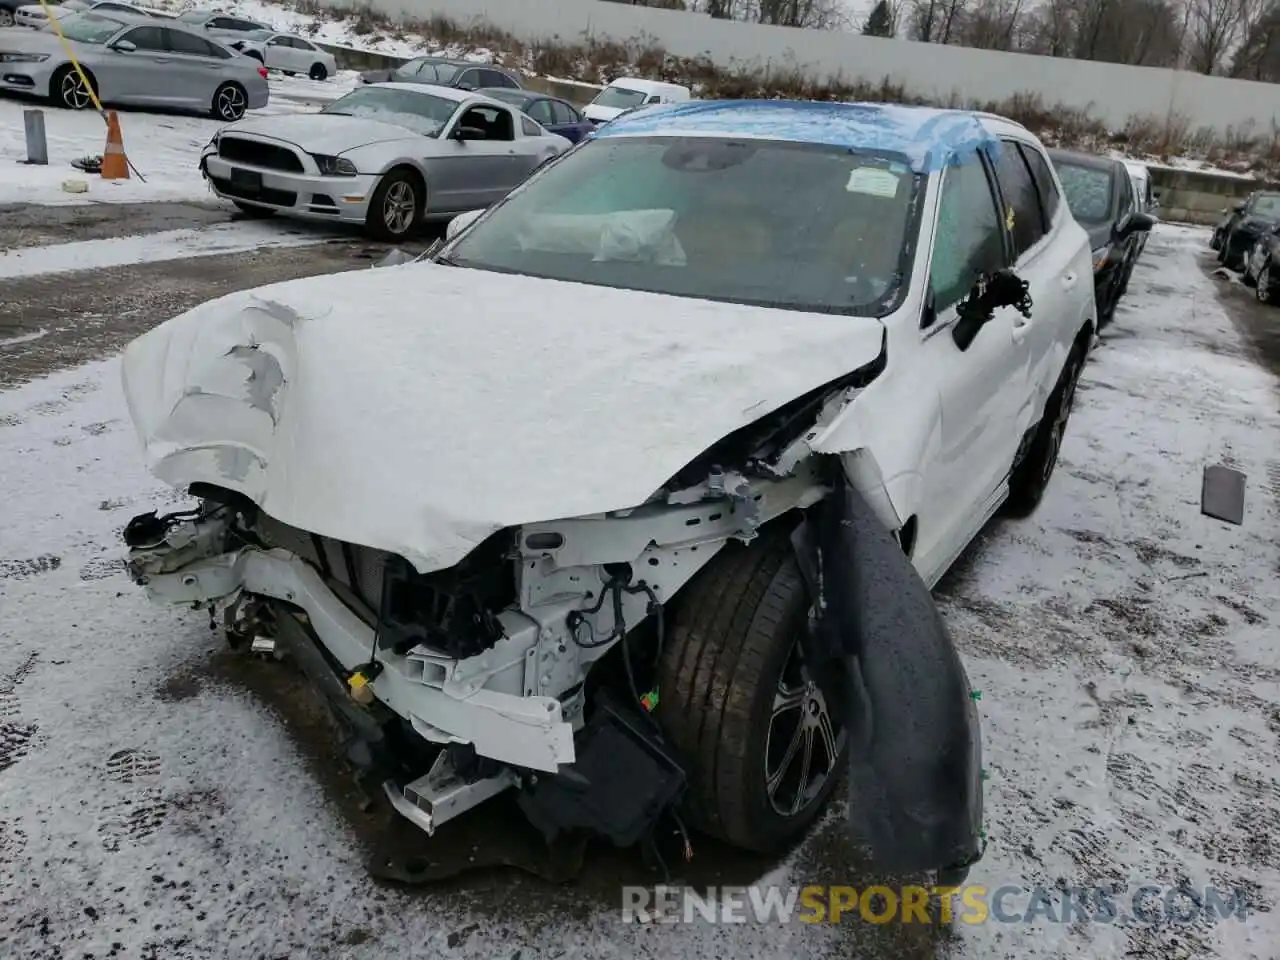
(1008, 220)
(872, 181)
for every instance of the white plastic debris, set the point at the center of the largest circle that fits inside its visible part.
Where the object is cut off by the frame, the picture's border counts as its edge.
(75, 186)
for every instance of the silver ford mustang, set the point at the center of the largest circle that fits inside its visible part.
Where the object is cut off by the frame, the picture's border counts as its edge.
(388, 156)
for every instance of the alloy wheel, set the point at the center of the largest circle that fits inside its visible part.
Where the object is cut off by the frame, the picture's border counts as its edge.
(804, 740)
(74, 92)
(399, 207)
(230, 103)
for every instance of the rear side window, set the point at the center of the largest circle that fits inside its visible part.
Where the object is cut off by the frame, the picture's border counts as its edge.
(1050, 199)
(147, 38)
(496, 78)
(563, 113)
(1022, 214)
(530, 128)
(540, 110)
(180, 42)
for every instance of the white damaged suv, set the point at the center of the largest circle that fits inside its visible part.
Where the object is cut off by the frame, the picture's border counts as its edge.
(629, 498)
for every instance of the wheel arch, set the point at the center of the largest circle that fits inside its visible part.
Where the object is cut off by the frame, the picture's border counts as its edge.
(66, 67)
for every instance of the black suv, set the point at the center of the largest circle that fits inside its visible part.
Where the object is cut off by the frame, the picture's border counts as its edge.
(444, 72)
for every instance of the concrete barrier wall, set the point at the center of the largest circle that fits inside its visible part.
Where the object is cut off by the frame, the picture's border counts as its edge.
(1110, 92)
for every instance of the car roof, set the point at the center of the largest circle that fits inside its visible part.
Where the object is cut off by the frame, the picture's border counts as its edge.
(444, 93)
(512, 94)
(456, 62)
(926, 136)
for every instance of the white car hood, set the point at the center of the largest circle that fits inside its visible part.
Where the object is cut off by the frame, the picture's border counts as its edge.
(420, 408)
(593, 111)
(321, 133)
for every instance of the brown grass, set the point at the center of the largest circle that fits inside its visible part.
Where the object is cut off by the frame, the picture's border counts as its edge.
(593, 60)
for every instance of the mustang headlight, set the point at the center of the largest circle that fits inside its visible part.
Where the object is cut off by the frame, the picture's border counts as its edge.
(23, 57)
(334, 166)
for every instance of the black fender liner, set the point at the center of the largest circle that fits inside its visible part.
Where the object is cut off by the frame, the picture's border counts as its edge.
(915, 777)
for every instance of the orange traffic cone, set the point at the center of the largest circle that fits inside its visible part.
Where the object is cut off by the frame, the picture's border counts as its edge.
(114, 164)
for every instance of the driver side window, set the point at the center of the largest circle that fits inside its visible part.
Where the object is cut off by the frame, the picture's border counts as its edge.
(497, 124)
(969, 240)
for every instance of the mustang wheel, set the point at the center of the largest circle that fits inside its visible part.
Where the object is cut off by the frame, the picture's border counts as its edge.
(229, 102)
(1265, 288)
(68, 90)
(318, 72)
(764, 739)
(1030, 478)
(396, 206)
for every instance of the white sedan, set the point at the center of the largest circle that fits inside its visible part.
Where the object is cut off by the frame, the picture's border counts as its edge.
(35, 15)
(701, 410)
(287, 53)
(388, 156)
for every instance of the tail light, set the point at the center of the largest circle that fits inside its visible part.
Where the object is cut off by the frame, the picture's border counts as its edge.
(262, 72)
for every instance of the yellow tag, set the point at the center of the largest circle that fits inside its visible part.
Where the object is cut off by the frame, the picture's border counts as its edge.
(1008, 219)
(357, 681)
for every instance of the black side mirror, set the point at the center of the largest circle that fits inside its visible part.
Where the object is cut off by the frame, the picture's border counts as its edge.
(1132, 223)
(1004, 288)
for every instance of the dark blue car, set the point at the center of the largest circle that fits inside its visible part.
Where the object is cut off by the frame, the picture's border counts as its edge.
(552, 113)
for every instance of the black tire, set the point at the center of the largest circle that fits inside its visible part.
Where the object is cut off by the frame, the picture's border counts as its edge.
(1030, 478)
(6, 17)
(318, 72)
(290, 73)
(1107, 305)
(1265, 288)
(66, 89)
(734, 641)
(253, 211)
(229, 103)
(396, 187)
(1215, 240)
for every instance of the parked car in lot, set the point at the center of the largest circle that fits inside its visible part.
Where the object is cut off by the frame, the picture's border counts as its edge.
(387, 156)
(446, 72)
(133, 61)
(1100, 194)
(627, 93)
(1259, 267)
(1144, 196)
(287, 53)
(708, 346)
(1242, 224)
(36, 16)
(220, 26)
(554, 115)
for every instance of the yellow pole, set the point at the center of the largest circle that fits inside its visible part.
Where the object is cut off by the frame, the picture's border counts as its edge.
(66, 46)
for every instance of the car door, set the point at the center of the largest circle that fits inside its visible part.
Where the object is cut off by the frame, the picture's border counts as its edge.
(196, 69)
(140, 75)
(472, 174)
(277, 53)
(1053, 278)
(305, 55)
(977, 386)
(568, 122)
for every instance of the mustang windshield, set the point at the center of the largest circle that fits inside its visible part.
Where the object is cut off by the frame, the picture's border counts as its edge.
(764, 222)
(1088, 191)
(420, 112)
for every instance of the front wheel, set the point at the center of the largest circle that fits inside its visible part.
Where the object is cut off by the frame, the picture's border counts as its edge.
(761, 729)
(1030, 478)
(396, 206)
(68, 89)
(1265, 287)
(229, 102)
(319, 72)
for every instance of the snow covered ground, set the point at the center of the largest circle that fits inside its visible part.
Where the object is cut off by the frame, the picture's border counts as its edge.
(1125, 646)
(165, 148)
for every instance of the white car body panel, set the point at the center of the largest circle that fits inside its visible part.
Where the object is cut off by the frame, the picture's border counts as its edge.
(277, 54)
(420, 408)
(529, 435)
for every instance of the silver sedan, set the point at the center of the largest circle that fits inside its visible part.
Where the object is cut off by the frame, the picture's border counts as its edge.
(132, 61)
(387, 156)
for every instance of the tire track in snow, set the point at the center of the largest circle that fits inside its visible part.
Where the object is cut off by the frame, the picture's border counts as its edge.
(16, 734)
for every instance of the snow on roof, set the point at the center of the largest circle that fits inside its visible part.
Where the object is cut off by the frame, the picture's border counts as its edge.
(928, 138)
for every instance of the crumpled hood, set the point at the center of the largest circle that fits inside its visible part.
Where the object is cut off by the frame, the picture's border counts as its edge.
(321, 133)
(420, 408)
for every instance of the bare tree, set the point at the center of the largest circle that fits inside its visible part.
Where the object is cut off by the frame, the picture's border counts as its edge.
(814, 14)
(1259, 55)
(1213, 27)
